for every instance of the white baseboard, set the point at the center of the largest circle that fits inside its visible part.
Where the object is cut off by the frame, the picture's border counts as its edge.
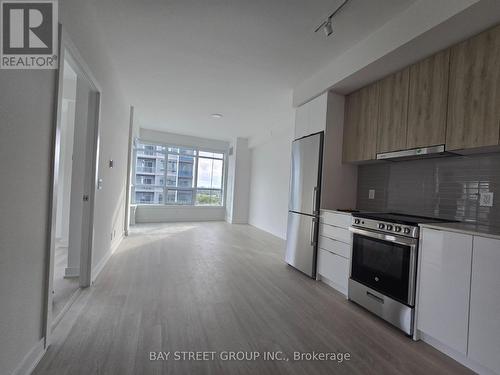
(459, 357)
(57, 319)
(31, 359)
(61, 242)
(239, 221)
(99, 267)
(117, 242)
(72, 272)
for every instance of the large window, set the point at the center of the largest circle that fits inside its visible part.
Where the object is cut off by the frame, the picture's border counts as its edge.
(177, 176)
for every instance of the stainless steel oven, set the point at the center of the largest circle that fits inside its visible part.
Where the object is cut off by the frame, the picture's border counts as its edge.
(384, 266)
(386, 263)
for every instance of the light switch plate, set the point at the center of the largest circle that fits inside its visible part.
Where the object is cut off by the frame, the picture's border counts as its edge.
(371, 194)
(486, 199)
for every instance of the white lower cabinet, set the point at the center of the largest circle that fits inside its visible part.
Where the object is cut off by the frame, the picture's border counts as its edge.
(334, 268)
(459, 297)
(336, 233)
(334, 249)
(337, 247)
(445, 269)
(484, 323)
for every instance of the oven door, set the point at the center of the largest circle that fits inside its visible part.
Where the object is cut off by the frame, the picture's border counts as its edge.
(386, 263)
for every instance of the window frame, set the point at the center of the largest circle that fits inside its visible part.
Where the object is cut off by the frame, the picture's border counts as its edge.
(194, 189)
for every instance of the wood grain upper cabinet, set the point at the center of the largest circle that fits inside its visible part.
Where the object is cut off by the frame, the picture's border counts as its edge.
(474, 97)
(360, 125)
(427, 101)
(392, 112)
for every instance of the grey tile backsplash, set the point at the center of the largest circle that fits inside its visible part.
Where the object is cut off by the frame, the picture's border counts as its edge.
(446, 187)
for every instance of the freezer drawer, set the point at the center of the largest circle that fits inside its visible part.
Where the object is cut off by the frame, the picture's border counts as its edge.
(301, 242)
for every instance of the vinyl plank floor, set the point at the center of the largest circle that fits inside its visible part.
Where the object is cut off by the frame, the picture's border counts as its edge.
(220, 287)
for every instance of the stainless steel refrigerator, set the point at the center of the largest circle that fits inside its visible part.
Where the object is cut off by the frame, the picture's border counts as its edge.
(304, 201)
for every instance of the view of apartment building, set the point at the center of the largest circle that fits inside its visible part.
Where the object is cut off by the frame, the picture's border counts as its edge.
(191, 177)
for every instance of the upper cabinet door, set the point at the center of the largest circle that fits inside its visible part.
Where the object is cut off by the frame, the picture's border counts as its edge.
(360, 125)
(310, 117)
(317, 113)
(474, 97)
(393, 112)
(301, 120)
(428, 95)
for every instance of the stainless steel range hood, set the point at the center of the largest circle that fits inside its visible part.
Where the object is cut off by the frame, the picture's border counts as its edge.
(415, 153)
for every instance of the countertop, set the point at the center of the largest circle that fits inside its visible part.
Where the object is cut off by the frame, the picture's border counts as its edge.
(466, 228)
(338, 212)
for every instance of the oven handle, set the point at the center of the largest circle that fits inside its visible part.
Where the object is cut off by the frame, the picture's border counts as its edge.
(385, 237)
(375, 297)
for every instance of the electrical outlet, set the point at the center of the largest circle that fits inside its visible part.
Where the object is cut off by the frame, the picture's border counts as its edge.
(486, 199)
(371, 194)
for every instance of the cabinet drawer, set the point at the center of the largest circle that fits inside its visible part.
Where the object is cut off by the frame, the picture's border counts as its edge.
(340, 248)
(334, 268)
(338, 220)
(335, 233)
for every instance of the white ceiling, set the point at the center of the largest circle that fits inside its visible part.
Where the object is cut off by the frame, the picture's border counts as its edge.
(179, 61)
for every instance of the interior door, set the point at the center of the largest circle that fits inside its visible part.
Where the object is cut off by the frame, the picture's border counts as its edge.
(301, 242)
(305, 174)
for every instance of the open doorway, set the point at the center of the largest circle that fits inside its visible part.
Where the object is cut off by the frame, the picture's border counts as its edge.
(76, 148)
(67, 250)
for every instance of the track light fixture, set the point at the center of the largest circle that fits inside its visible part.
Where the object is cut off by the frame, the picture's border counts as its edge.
(328, 28)
(327, 25)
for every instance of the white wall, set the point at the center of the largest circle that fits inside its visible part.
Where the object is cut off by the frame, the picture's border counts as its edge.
(26, 104)
(182, 140)
(77, 18)
(231, 162)
(269, 186)
(238, 187)
(166, 214)
(26, 118)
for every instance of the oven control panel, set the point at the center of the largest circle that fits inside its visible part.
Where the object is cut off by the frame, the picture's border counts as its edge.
(386, 227)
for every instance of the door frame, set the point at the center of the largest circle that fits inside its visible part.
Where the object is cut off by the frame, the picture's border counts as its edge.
(68, 51)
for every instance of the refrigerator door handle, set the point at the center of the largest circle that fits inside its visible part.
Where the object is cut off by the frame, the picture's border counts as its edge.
(312, 236)
(315, 198)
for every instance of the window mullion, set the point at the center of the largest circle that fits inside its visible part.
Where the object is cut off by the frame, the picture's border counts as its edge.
(165, 175)
(195, 176)
(211, 181)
